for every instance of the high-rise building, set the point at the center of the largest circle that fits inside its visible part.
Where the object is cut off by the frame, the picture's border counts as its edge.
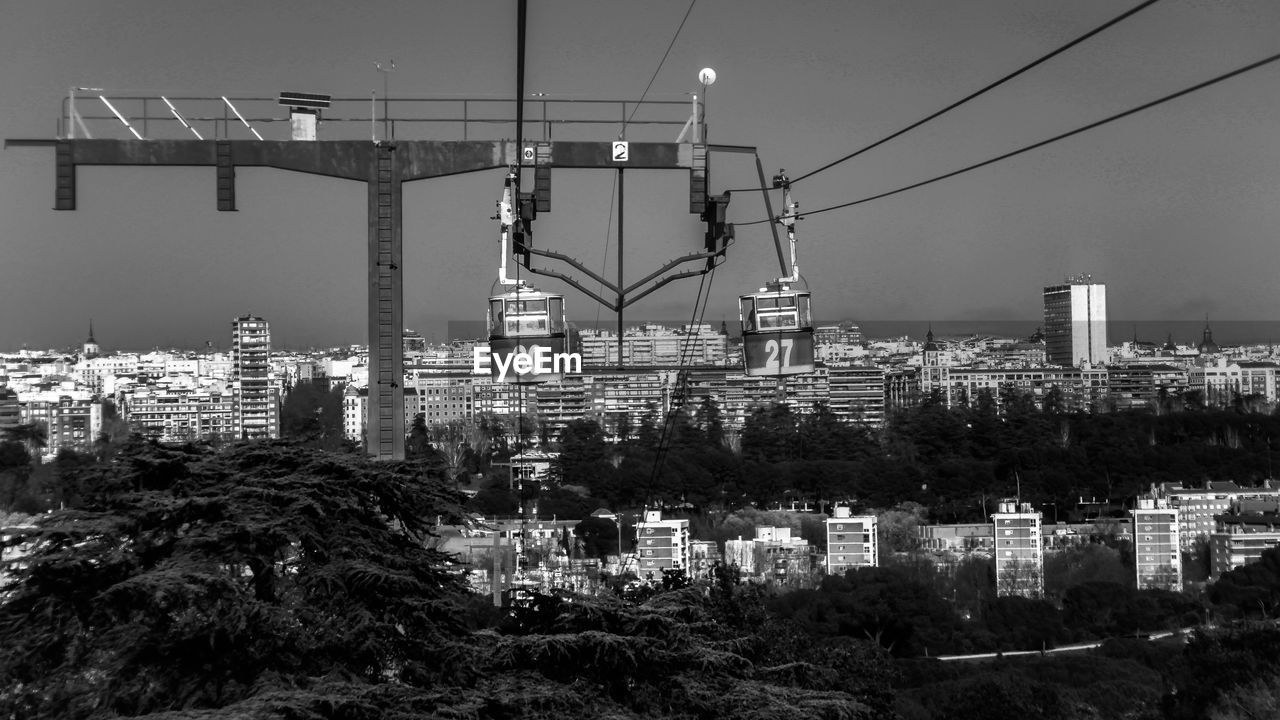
(1019, 551)
(851, 541)
(857, 393)
(1075, 322)
(1156, 551)
(257, 396)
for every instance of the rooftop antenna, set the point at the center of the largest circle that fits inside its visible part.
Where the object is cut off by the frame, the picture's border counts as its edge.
(386, 71)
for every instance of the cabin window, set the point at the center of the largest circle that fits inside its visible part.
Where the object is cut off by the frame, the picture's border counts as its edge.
(747, 309)
(556, 314)
(496, 324)
(785, 320)
(526, 307)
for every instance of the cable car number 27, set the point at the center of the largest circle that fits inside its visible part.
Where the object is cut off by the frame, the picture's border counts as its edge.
(776, 347)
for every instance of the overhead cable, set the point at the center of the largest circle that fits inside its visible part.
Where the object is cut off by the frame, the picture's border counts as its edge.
(1042, 143)
(979, 92)
(622, 132)
(682, 383)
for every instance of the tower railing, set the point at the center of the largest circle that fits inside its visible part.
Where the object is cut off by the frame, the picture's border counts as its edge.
(84, 115)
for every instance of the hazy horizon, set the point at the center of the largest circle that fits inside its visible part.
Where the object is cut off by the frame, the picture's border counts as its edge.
(1227, 333)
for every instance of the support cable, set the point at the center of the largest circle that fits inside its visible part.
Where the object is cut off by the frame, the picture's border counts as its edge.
(977, 93)
(604, 264)
(682, 381)
(1042, 143)
(981, 91)
(622, 133)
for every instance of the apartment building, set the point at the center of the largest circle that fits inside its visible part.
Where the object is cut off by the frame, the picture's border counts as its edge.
(1019, 550)
(851, 541)
(1199, 507)
(856, 394)
(661, 545)
(1156, 546)
(181, 414)
(256, 393)
(72, 418)
(652, 344)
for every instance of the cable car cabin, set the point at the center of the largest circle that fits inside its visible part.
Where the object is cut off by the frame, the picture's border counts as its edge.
(777, 331)
(527, 341)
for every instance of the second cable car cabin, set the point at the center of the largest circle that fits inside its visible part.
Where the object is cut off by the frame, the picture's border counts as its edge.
(777, 325)
(527, 339)
(777, 331)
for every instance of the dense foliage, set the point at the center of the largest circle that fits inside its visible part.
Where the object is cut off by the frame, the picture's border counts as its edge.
(192, 578)
(312, 414)
(956, 462)
(274, 580)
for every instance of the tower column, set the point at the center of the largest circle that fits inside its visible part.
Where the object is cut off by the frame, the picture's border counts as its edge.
(385, 426)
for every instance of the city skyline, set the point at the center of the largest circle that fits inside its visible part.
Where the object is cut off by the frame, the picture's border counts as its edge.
(1169, 208)
(1183, 333)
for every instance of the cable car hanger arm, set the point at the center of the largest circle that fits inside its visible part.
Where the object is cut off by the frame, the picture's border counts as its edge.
(506, 217)
(671, 264)
(566, 259)
(768, 208)
(664, 281)
(572, 281)
(788, 219)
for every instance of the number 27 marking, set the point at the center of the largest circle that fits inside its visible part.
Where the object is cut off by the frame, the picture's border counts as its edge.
(772, 348)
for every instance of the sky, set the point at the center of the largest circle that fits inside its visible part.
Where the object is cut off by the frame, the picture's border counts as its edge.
(1173, 208)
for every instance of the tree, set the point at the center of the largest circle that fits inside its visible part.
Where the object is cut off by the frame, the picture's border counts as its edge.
(649, 434)
(1252, 590)
(1094, 562)
(769, 435)
(681, 652)
(599, 536)
(584, 453)
(312, 413)
(1023, 577)
(15, 474)
(115, 431)
(1218, 666)
(417, 446)
(710, 419)
(33, 435)
(880, 604)
(192, 578)
(897, 528)
(60, 486)
(456, 440)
